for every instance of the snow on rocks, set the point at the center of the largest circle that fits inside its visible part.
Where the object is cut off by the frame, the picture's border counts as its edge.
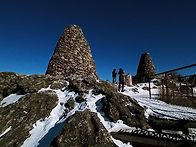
(141, 89)
(41, 127)
(94, 106)
(11, 99)
(92, 102)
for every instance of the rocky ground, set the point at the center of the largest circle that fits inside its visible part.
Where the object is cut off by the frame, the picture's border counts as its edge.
(36, 105)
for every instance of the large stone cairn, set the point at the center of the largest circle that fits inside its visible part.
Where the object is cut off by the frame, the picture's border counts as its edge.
(72, 57)
(146, 68)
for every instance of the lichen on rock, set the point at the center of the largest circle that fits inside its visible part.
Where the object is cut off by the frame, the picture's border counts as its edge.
(83, 129)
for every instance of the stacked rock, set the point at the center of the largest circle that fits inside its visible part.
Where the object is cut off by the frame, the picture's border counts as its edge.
(72, 56)
(146, 68)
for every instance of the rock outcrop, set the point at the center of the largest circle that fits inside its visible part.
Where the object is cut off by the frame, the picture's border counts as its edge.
(22, 115)
(114, 105)
(72, 56)
(14, 83)
(146, 68)
(33, 106)
(84, 129)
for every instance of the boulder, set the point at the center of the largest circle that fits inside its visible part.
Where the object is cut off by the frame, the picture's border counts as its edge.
(120, 107)
(83, 129)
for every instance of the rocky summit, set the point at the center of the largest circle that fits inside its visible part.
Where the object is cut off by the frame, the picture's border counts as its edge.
(72, 56)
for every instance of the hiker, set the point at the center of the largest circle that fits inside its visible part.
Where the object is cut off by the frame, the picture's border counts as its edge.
(114, 76)
(121, 80)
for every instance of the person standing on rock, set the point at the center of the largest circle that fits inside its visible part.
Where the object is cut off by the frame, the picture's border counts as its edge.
(114, 76)
(121, 80)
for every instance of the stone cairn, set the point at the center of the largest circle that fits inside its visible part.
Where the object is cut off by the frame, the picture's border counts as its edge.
(72, 56)
(146, 68)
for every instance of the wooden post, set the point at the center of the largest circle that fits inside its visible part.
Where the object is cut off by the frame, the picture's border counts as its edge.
(163, 89)
(187, 90)
(181, 93)
(149, 89)
(167, 90)
(192, 92)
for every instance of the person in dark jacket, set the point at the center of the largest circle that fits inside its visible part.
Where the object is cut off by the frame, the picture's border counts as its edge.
(121, 80)
(114, 76)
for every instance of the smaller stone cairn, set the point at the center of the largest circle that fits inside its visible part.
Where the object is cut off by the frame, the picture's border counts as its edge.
(146, 68)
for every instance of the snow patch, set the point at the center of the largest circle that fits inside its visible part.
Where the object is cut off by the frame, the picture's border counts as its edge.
(7, 130)
(91, 100)
(151, 130)
(192, 131)
(194, 91)
(119, 125)
(156, 107)
(45, 89)
(12, 98)
(147, 113)
(120, 143)
(172, 132)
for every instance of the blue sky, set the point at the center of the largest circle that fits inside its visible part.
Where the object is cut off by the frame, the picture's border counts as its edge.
(118, 32)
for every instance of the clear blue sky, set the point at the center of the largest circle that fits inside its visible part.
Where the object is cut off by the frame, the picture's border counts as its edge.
(118, 31)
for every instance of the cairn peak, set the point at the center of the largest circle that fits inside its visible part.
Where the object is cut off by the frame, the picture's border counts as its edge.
(72, 56)
(73, 28)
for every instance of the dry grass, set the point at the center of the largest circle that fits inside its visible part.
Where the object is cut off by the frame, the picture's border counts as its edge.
(177, 96)
(180, 101)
